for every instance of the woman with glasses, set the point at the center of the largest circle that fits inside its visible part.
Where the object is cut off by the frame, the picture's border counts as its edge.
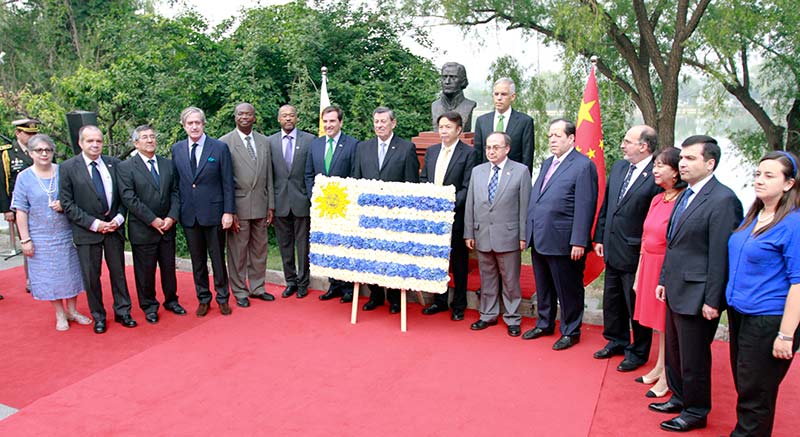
(46, 236)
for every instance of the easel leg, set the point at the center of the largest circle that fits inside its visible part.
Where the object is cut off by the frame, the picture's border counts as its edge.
(354, 310)
(403, 310)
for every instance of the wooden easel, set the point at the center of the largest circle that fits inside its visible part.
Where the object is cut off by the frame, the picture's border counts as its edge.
(354, 310)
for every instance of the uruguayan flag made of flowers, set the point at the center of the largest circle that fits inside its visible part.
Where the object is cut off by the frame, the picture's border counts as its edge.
(392, 234)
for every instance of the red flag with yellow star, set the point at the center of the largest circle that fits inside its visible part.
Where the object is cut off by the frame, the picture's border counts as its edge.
(589, 141)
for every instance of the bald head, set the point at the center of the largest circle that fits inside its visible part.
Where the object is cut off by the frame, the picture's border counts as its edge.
(639, 143)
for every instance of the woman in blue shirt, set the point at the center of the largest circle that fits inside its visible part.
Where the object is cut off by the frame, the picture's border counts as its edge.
(763, 293)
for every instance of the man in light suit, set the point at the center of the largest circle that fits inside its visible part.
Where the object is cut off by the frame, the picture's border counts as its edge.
(255, 202)
(289, 147)
(693, 280)
(560, 218)
(517, 125)
(618, 238)
(90, 197)
(333, 154)
(206, 187)
(451, 163)
(495, 224)
(390, 158)
(149, 190)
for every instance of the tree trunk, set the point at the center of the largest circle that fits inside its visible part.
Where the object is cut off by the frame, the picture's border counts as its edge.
(793, 128)
(772, 131)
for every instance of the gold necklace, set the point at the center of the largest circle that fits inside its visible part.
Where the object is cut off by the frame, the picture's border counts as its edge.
(670, 199)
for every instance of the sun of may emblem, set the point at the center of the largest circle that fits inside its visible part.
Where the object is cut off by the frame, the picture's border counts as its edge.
(333, 202)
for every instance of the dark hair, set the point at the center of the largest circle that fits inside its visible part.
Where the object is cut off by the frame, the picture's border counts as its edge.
(506, 137)
(650, 137)
(453, 116)
(139, 129)
(383, 110)
(569, 127)
(335, 109)
(671, 156)
(710, 147)
(788, 202)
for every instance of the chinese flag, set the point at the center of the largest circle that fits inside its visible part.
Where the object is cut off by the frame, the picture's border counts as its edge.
(589, 141)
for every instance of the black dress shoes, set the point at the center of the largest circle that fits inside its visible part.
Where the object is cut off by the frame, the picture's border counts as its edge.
(264, 296)
(535, 333)
(433, 309)
(668, 407)
(288, 291)
(1, 297)
(151, 318)
(202, 310)
(514, 330)
(481, 324)
(627, 365)
(394, 308)
(177, 309)
(371, 305)
(225, 309)
(302, 292)
(243, 302)
(99, 326)
(346, 298)
(457, 316)
(126, 321)
(607, 352)
(566, 342)
(679, 424)
(330, 294)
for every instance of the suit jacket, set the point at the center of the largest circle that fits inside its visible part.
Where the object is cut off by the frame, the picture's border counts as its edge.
(145, 200)
(501, 225)
(252, 179)
(619, 225)
(209, 193)
(290, 185)
(80, 201)
(519, 127)
(695, 270)
(458, 174)
(562, 215)
(399, 165)
(342, 164)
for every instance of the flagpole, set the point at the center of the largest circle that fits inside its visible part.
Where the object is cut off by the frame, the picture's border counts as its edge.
(594, 59)
(324, 99)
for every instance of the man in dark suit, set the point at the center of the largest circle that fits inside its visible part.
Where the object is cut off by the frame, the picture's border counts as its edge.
(289, 148)
(255, 204)
(560, 218)
(451, 163)
(389, 158)
(495, 224)
(693, 280)
(149, 190)
(618, 238)
(90, 197)
(333, 154)
(206, 187)
(517, 125)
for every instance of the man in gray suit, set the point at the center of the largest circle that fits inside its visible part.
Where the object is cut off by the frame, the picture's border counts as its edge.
(255, 204)
(289, 147)
(494, 223)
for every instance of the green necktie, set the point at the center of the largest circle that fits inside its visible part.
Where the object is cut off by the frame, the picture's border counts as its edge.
(329, 156)
(501, 127)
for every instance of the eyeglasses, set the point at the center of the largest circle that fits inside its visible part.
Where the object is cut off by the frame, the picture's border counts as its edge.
(42, 151)
(493, 148)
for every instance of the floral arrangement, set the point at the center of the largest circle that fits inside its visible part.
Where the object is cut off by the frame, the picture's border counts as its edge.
(392, 234)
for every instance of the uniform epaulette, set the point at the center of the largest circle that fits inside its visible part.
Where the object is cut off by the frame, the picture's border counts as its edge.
(6, 146)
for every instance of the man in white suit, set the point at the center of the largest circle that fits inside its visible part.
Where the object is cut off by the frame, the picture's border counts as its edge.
(255, 204)
(494, 223)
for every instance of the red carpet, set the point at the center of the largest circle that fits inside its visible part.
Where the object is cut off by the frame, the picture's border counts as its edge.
(297, 367)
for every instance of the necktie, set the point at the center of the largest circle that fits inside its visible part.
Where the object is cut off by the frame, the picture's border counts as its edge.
(501, 127)
(625, 183)
(99, 188)
(441, 166)
(287, 152)
(549, 173)
(153, 171)
(329, 156)
(193, 159)
(381, 155)
(679, 210)
(250, 148)
(493, 183)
